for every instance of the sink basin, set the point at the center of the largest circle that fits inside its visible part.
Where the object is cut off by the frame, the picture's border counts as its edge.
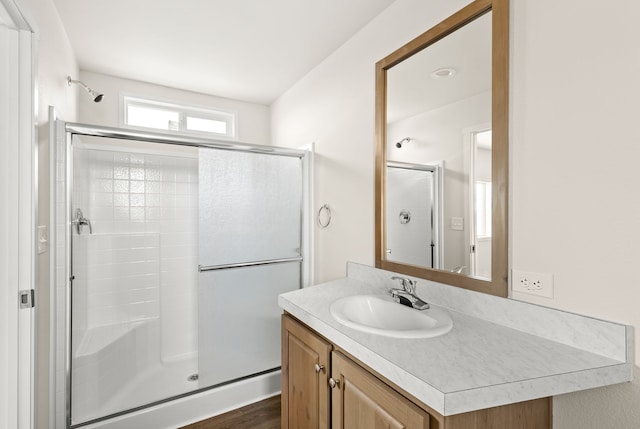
(380, 314)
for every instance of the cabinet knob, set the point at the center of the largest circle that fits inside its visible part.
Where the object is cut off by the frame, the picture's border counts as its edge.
(333, 383)
(318, 368)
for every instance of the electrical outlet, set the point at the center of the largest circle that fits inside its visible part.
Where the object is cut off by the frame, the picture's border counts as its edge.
(540, 284)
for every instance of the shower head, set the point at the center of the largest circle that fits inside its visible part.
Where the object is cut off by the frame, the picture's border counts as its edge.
(97, 97)
(401, 142)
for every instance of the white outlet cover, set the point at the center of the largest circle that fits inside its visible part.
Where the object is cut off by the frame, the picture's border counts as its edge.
(457, 224)
(532, 283)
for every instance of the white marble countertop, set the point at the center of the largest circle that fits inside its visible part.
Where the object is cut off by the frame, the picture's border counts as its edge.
(499, 351)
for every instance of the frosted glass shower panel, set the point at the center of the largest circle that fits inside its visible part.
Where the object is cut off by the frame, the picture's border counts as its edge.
(250, 206)
(239, 329)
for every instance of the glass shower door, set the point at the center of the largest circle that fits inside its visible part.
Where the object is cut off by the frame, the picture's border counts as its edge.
(411, 205)
(133, 293)
(250, 233)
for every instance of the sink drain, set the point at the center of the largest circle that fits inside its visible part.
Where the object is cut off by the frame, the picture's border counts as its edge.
(193, 377)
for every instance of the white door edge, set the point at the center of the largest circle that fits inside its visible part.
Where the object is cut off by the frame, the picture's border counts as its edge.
(18, 201)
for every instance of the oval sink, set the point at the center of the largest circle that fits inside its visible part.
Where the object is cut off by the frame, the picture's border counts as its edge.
(380, 314)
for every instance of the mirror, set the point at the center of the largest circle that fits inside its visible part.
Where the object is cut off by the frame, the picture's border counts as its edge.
(442, 152)
(438, 109)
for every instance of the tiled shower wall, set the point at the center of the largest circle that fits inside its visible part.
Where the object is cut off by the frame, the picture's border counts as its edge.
(140, 263)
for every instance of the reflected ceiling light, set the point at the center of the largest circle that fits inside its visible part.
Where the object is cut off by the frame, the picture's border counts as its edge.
(97, 97)
(443, 73)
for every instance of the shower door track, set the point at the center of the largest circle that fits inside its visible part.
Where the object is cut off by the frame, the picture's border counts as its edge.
(170, 399)
(176, 139)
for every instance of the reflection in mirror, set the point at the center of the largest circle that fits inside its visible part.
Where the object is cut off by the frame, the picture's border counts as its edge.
(439, 97)
(479, 236)
(414, 213)
(441, 127)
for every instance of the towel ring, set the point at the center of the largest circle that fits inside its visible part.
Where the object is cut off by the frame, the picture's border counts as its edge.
(324, 209)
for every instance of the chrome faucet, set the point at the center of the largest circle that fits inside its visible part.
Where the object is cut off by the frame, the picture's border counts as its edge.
(406, 295)
(79, 220)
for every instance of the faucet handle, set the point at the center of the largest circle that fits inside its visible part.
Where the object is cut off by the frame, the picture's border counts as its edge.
(79, 220)
(407, 284)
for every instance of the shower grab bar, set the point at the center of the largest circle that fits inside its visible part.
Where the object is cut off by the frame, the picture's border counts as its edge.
(248, 264)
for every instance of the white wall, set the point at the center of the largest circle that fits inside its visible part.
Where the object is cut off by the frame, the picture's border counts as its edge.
(253, 119)
(575, 139)
(575, 208)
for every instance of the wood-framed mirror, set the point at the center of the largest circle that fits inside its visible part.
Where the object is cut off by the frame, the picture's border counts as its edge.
(441, 179)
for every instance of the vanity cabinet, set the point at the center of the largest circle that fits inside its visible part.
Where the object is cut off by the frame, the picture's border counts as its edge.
(305, 390)
(322, 387)
(361, 401)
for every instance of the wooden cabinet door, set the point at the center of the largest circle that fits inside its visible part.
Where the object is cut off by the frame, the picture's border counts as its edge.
(361, 401)
(305, 391)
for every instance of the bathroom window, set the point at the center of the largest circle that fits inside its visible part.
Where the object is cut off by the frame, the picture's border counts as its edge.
(158, 115)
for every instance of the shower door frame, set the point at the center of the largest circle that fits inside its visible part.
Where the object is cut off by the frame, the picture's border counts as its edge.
(67, 130)
(437, 205)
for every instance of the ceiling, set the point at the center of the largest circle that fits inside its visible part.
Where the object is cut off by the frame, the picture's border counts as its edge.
(251, 50)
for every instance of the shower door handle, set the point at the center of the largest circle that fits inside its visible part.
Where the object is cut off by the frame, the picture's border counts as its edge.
(79, 220)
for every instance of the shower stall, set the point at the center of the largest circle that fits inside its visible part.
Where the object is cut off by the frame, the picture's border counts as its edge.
(170, 254)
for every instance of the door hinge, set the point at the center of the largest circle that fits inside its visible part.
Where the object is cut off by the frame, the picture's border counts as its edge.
(27, 298)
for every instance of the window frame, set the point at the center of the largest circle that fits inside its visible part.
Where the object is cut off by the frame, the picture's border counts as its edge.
(184, 111)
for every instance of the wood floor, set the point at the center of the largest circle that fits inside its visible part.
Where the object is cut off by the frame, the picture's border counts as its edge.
(261, 415)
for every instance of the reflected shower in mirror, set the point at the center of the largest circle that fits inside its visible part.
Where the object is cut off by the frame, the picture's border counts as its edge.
(414, 212)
